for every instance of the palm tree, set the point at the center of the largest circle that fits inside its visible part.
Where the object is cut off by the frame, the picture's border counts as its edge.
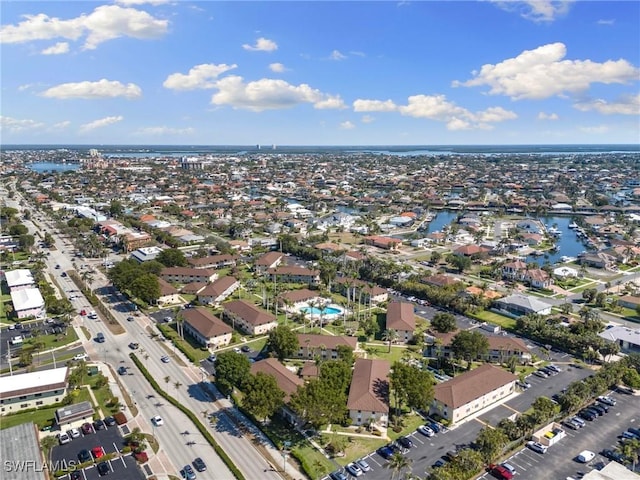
(87, 277)
(389, 336)
(398, 463)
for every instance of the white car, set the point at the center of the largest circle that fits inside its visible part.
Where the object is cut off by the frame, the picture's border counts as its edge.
(537, 447)
(63, 438)
(80, 356)
(74, 433)
(157, 421)
(585, 456)
(426, 431)
(354, 469)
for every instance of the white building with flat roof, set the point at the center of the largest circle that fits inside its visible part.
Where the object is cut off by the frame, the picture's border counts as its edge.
(627, 339)
(146, 254)
(19, 279)
(32, 390)
(28, 302)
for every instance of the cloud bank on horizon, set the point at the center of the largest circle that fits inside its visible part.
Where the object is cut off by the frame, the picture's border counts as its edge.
(320, 73)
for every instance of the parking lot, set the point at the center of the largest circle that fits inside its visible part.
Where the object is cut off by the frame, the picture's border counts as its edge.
(560, 459)
(111, 440)
(122, 468)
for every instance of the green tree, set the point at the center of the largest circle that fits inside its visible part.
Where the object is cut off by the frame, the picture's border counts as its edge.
(398, 464)
(345, 353)
(490, 442)
(283, 342)
(370, 327)
(469, 345)
(544, 409)
(116, 208)
(26, 242)
(232, 370)
(435, 257)
(411, 386)
(172, 257)
(444, 322)
(262, 396)
(459, 262)
(146, 288)
(336, 375)
(631, 378)
(390, 336)
(318, 403)
(17, 230)
(589, 294)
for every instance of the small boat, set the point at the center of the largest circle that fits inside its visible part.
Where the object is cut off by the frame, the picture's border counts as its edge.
(566, 259)
(573, 225)
(537, 253)
(554, 231)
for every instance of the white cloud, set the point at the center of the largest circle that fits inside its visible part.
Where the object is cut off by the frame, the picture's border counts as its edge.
(60, 125)
(142, 2)
(14, 125)
(277, 67)
(103, 122)
(368, 119)
(437, 107)
(361, 105)
(542, 73)
(269, 94)
(57, 49)
(547, 116)
(536, 10)
(91, 90)
(336, 55)
(262, 45)
(596, 129)
(106, 22)
(625, 106)
(347, 125)
(200, 76)
(161, 131)
(606, 22)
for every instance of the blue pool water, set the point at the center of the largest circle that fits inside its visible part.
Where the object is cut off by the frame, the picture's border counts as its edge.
(323, 311)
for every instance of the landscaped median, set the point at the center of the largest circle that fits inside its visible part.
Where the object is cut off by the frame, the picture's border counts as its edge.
(201, 428)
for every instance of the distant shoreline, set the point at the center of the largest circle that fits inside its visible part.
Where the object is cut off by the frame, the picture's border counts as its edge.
(400, 150)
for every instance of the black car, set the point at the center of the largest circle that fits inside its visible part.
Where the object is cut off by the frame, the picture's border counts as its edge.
(199, 464)
(600, 407)
(84, 456)
(103, 468)
(109, 421)
(613, 455)
(122, 370)
(245, 348)
(75, 475)
(587, 415)
(405, 442)
(599, 410)
(434, 426)
(99, 424)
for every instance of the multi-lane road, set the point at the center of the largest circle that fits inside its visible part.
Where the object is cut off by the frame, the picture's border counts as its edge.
(185, 383)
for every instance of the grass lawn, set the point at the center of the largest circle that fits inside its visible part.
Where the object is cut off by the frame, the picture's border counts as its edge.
(507, 323)
(169, 331)
(356, 447)
(54, 340)
(382, 351)
(315, 464)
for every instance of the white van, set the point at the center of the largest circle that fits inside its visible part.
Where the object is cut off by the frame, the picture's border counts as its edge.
(17, 340)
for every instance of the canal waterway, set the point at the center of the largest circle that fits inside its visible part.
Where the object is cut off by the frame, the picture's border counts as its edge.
(43, 167)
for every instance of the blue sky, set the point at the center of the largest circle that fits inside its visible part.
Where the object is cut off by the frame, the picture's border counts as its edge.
(320, 73)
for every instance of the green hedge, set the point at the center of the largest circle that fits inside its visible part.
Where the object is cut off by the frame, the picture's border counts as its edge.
(201, 428)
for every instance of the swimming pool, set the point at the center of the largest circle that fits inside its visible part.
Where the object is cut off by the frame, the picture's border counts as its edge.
(321, 311)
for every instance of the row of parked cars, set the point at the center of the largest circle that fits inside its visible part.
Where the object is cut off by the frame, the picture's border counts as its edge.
(548, 371)
(86, 429)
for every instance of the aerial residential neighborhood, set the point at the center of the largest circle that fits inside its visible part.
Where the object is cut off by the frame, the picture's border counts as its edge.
(344, 336)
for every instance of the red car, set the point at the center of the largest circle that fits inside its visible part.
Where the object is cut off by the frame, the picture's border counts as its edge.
(83, 312)
(97, 452)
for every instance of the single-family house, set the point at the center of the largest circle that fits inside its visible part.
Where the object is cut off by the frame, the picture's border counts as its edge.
(627, 339)
(386, 243)
(517, 304)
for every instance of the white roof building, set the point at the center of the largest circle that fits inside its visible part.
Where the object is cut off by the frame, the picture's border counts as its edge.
(28, 302)
(19, 278)
(145, 254)
(625, 337)
(13, 384)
